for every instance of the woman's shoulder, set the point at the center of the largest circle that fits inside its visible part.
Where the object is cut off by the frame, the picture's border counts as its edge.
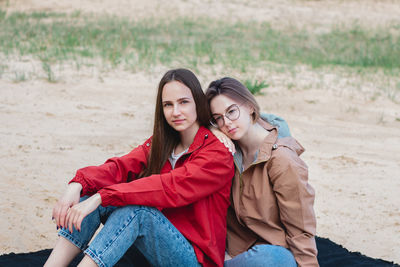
(207, 140)
(206, 136)
(286, 156)
(288, 144)
(141, 148)
(285, 152)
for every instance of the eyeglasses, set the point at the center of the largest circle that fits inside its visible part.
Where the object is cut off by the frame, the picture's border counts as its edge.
(233, 113)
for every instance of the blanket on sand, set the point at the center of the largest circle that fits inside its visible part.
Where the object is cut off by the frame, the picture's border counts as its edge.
(330, 254)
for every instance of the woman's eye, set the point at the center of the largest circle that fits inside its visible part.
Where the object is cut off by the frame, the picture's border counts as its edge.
(167, 104)
(231, 111)
(217, 118)
(184, 102)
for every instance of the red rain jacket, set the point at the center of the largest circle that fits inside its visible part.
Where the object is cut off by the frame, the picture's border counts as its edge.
(194, 196)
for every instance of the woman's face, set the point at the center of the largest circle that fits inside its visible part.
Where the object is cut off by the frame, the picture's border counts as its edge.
(179, 106)
(223, 107)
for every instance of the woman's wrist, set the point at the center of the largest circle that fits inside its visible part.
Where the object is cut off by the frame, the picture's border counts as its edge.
(97, 198)
(77, 187)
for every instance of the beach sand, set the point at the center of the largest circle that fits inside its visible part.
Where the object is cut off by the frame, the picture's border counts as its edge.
(349, 127)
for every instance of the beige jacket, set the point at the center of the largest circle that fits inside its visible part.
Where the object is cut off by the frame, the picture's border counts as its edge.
(272, 202)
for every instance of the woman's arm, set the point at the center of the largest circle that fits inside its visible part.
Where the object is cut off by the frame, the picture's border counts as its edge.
(114, 171)
(67, 212)
(289, 177)
(208, 169)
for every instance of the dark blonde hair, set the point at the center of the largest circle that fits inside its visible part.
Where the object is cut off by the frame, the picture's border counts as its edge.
(165, 138)
(234, 89)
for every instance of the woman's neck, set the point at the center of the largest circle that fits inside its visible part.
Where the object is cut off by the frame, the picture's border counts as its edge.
(253, 139)
(187, 137)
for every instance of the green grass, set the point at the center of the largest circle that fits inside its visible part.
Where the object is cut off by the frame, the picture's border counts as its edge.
(20, 76)
(255, 87)
(2, 69)
(138, 45)
(49, 72)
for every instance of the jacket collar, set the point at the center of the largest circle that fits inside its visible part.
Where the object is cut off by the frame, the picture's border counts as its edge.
(271, 142)
(264, 152)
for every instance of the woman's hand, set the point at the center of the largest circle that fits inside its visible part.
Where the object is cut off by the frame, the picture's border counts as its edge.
(78, 212)
(224, 139)
(67, 200)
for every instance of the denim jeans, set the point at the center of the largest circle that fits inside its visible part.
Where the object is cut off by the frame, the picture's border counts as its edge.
(145, 228)
(263, 255)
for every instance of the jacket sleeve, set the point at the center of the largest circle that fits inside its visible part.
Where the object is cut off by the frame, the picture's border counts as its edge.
(114, 171)
(206, 171)
(295, 197)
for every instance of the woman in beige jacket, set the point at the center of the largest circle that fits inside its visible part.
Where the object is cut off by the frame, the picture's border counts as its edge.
(271, 220)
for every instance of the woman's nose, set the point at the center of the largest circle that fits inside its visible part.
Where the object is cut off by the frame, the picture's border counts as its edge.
(176, 110)
(227, 121)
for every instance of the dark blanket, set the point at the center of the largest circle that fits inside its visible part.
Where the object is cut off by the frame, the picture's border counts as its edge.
(329, 255)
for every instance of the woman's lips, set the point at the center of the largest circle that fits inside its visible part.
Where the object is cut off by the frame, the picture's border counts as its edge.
(233, 130)
(178, 121)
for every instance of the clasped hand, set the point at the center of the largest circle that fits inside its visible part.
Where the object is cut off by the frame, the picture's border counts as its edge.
(224, 139)
(69, 212)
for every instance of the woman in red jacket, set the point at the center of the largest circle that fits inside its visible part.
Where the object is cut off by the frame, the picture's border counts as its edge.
(168, 197)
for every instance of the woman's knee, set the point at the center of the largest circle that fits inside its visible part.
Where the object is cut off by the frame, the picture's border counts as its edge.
(134, 210)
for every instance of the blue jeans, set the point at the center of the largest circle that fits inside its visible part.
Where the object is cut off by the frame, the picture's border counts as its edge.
(263, 256)
(145, 228)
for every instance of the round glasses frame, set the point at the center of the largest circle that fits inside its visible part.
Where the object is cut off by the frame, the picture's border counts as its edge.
(233, 113)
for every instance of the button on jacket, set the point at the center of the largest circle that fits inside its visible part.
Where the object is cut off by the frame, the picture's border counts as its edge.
(194, 195)
(272, 202)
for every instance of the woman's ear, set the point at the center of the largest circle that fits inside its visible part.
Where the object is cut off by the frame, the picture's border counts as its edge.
(252, 113)
(254, 116)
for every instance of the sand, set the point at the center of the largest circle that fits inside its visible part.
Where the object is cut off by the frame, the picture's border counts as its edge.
(347, 123)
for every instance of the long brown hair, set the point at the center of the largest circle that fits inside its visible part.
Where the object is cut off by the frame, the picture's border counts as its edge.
(235, 90)
(165, 138)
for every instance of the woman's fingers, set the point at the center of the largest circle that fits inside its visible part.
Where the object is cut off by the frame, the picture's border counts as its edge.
(78, 222)
(63, 215)
(229, 144)
(72, 221)
(58, 214)
(55, 214)
(68, 219)
(73, 214)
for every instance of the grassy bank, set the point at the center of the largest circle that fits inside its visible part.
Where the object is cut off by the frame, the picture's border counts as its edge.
(57, 37)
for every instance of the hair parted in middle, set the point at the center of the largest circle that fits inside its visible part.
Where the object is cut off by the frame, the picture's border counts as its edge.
(235, 90)
(165, 138)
